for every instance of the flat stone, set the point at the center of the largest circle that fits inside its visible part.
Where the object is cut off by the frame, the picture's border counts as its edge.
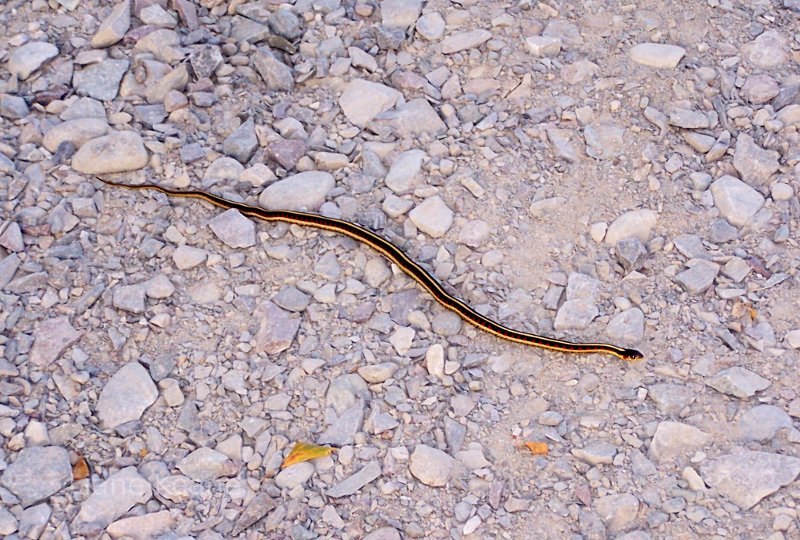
(670, 398)
(617, 511)
(37, 473)
(129, 298)
(110, 500)
(413, 119)
(84, 107)
(463, 41)
(100, 81)
(114, 27)
(769, 50)
(205, 464)
(11, 238)
(121, 151)
(276, 75)
(295, 475)
(563, 146)
(286, 24)
(596, 453)
(745, 479)
(760, 88)
(176, 79)
(699, 276)
(155, 15)
(737, 202)
(13, 107)
(631, 254)
(159, 287)
(673, 439)
(432, 216)
(627, 327)
(363, 100)
(378, 373)
(431, 466)
(543, 45)
(688, 119)
(761, 423)
(51, 339)
(384, 533)
(142, 527)
(657, 55)
(187, 257)
(303, 191)
(635, 224)
(291, 299)
(343, 428)
(431, 26)
(33, 520)
(474, 233)
(404, 174)
(126, 396)
(400, 13)
(738, 382)
(77, 132)
(789, 115)
(233, 229)
(575, 315)
(276, 330)
(257, 508)
(30, 57)
(242, 143)
(604, 139)
(355, 482)
(755, 164)
(224, 168)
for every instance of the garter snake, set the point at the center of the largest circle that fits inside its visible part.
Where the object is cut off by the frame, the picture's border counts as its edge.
(398, 257)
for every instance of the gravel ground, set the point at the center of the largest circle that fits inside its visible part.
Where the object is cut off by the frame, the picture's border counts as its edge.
(596, 171)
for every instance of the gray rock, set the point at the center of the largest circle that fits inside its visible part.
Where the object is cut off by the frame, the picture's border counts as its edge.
(431, 26)
(404, 174)
(738, 382)
(432, 216)
(129, 298)
(205, 464)
(691, 246)
(627, 327)
(747, 478)
(563, 145)
(242, 143)
(631, 254)
(596, 453)
(575, 315)
(755, 164)
(355, 482)
(121, 151)
(224, 168)
(177, 79)
(463, 41)
(110, 500)
(234, 229)
(33, 520)
(30, 57)
(722, 232)
(699, 276)
(474, 233)
(114, 27)
(769, 50)
(688, 119)
(100, 81)
(126, 396)
(543, 45)
(37, 473)
(400, 13)
(454, 433)
(13, 107)
(287, 152)
(720, 147)
(257, 508)
(285, 24)
(295, 475)
(152, 525)
(431, 466)
(52, 338)
(604, 139)
(303, 191)
(276, 328)
(670, 398)
(413, 119)
(343, 428)
(8, 523)
(77, 132)
(363, 100)
(657, 55)
(634, 224)
(11, 238)
(759, 88)
(291, 299)
(378, 373)
(384, 533)
(187, 257)
(84, 107)
(617, 511)
(761, 423)
(673, 439)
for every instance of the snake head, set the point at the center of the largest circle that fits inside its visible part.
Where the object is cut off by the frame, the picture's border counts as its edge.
(631, 355)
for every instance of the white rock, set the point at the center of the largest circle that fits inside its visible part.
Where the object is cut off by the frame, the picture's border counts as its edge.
(737, 202)
(302, 191)
(431, 466)
(634, 224)
(30, 57)
(114, 27)
(432, 216)
(363, 100)
(404, 174)
(657, 55)
(465, 40)
(234, 229)
(543, 45)
(110, 500)
(122, 151)
(673, 439)
(126, 396)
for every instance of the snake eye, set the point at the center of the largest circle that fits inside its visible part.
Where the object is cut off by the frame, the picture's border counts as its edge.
(632, 354)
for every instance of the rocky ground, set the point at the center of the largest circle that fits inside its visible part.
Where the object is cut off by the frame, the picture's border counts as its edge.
(596, 171)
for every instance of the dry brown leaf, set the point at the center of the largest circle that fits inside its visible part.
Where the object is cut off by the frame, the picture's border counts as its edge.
(81, 469)
(304, 451)
(537, 448)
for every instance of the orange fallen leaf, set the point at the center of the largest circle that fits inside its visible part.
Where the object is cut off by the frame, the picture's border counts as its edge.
(304, 451)
(81, 469)
(537, 448)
